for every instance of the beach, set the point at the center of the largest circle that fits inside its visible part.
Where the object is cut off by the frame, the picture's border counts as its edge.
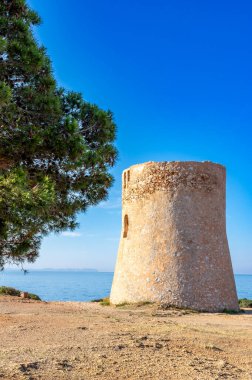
(85, 340)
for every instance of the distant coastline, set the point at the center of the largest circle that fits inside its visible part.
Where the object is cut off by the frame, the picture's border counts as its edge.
(54, 269)
(92, 270)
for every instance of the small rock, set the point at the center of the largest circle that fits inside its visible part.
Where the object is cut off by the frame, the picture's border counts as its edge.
(24, 294)
(140, 345)
(221, 363)
(143, 337)
(119, 347)
(212, 347)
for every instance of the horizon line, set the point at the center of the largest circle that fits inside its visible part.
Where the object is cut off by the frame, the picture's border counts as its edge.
(85, 269)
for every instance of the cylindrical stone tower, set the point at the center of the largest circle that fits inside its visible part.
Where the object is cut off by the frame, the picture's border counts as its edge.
(173, 246)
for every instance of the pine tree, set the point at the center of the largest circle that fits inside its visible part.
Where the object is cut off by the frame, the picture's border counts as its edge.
(55, 148)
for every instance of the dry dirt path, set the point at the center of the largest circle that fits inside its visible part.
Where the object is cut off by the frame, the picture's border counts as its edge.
(86, 341)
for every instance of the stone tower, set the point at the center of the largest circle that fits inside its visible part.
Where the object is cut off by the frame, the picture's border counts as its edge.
(173, 246)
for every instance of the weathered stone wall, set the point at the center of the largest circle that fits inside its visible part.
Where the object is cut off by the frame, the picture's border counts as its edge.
(173, 246)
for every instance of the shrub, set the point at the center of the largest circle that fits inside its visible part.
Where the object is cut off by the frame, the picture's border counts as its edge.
(244, 302)
(32, 296)
(8, 291)
(105, 301)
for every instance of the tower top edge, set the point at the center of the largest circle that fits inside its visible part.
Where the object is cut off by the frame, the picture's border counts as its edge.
(176, 163)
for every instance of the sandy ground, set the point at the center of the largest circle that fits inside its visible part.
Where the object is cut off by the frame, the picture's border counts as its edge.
(73, 340)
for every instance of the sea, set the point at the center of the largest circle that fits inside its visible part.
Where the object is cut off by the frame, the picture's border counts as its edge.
(78, 285)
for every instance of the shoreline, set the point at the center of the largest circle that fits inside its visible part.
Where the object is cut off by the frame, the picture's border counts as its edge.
(84, 340)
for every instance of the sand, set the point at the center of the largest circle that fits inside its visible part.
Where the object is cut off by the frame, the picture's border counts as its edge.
(77, 340)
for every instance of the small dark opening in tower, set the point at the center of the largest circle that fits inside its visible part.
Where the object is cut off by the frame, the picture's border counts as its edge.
(125, 226)
(128, 175)
(124, 180)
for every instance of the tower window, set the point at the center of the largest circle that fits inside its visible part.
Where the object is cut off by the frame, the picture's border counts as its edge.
(124, 180)
(125, 226)
(128, 175)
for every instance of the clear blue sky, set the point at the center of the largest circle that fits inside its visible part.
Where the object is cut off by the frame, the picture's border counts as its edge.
(177, 75)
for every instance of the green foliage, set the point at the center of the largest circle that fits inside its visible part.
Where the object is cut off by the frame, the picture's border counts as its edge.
(55, 148)
(8, 291)
(230, 311)
(5, 94)
(97, 300)
(32, 296)
(102, 301)
(105, 302)
(244, 302)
